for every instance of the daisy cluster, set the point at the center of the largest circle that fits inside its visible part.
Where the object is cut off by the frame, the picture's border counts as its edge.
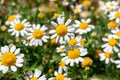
(111, 41)
(70, 35)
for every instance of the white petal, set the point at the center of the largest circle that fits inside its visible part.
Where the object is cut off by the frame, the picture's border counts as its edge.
(54, 24)
(12, 49)
(37, 73)
(13, 68)
(17, 51)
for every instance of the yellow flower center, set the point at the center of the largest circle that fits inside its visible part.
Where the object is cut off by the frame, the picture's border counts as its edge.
(112, 42)
(112, 24)
(86, 3)
(34, 78)
(82, 41)
(61, 49)
(19, 26)
(11, 18)
(117, 15)
(61, 30)
(72, 42)
(8, 59)
(108, 54)
(118, 34)
(38, 34)
(40, 15)
(56, 15)
(62, 64)
(76, 10)
(108, 8)
(111, 4)
(73, 53)
(53, 41)
(83, 25)
(60, 77)
(87, 61)
(97, 52)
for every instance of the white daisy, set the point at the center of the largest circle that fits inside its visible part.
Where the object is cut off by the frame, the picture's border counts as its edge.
(19, 28)
(74, 55)
(116, 33)
(62, 66)
(115, 15)
(10, 58)
(107, 56)
(62, 31)
(83, 26)
(109, 6)
(27, 42)
(111, 44)
(37, 34)
(59, 76)
(11, 18)
(76, 9)
(60, 49)
(76, 41)
(35, 76)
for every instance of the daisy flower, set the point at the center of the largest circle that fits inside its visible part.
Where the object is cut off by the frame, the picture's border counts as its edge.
(27, 42)
(74, 55)
(76, 9)
(112, 25)
(111, 44)
(76, 41)
(67, 2)
(10, 59)
(19, 27)
(109, 6)
(113, 4)
(107, 56)
(115, 15)
(86, 3)
(62, 66)
(62, 31)
(59, 76)
(83, 26)
(37, 34)
(116, 33)
(87, 62)
(11, 18)
(60, 49)
(35, 76)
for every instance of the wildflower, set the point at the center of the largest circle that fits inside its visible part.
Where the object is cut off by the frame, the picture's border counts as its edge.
(116, 33)
(107, 56)
(61, 49)
(87, 62)
(35, 76)
(115, 15)
(10, 59)
(62, 66)
(3, 28)
(76, 41)
(40, 15)
(84, 14)
(83, 26)
(19, 27)
(86, 3)
(97, 52)
(37, 34)
(76, 9)
(11, 18)
(59, 76)
(112, 25)
(62, 31)
(53, 41)
(111, 44)
(74, 55)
